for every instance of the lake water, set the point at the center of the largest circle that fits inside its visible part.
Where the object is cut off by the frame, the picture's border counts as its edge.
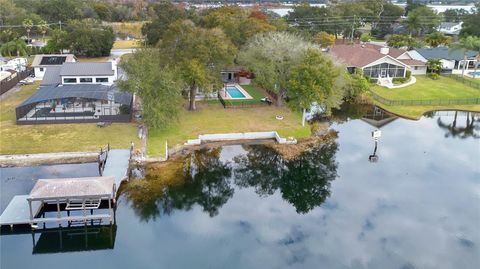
(413, 203)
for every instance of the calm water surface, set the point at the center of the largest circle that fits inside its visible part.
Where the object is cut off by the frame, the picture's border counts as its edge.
(246, 206)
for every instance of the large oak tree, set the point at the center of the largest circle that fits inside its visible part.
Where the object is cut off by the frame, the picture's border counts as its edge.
(200, 54)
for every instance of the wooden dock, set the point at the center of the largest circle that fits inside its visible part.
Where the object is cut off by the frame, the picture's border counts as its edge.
(71, 194)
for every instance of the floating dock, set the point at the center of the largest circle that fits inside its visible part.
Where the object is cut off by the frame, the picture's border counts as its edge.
(79, 196)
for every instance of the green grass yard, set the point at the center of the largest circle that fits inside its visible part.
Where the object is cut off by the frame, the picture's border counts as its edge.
(427, 89)
(46, 138)
(213, 118)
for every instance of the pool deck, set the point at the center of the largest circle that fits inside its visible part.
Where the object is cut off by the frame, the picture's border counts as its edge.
(226, 95)
(18, 212)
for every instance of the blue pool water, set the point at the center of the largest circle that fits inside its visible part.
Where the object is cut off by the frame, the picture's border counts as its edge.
(234, 92)
(474, 73)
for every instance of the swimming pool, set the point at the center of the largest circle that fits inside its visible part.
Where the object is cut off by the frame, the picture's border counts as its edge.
(234, 92)
(474, 73)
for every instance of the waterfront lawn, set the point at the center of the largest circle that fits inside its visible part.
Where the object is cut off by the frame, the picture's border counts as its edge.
(213, 118)
(46, 138)
(428, 89)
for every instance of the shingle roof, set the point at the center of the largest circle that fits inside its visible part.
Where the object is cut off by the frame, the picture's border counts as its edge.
(361, 55)
(92, 91)
(52, 76)
(412, 62)
(87, 69)
(445, 53)
(37, 61)
(72, 187)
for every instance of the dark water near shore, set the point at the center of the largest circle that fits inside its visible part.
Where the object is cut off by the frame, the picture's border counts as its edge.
(247, 206)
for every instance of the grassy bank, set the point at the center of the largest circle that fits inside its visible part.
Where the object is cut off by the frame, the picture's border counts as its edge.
(213, 118)
(127, 44)
(427, 89)
(56, 137)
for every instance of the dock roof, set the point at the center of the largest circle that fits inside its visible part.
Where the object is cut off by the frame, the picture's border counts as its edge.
(85, 187)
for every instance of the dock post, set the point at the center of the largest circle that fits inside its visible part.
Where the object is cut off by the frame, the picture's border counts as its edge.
(110, 212)
(59, 215)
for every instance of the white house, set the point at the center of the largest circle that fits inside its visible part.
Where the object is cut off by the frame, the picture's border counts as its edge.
(104, 73)
(378, 62)
(17, 64)
(450, 28)
(453, 60)
(42, 62)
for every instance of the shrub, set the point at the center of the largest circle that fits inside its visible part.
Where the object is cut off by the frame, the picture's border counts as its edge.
(400, 80)
(434, 76)
(408, 74)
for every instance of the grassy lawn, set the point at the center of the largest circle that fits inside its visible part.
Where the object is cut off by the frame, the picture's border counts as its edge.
(94, 59)
(16, 139)
(127, 44)
(213, 118)
(428, 89)
(474, 80)
(133, 29)
(416, 112)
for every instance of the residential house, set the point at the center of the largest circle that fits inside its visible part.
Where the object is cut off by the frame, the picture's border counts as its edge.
(453, 60)
(450, 28)
(104, 73)
(77, 92)
(378, 62)
(17, 64)
(42, 62)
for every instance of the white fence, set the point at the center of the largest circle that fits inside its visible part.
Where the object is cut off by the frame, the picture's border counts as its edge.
(241, 136)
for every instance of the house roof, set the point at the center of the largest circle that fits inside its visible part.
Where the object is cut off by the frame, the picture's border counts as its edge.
(412, 62)
(361, 55)
(91, 91)
(72, 187)
(87, 69)
(52, 59)
(449, 24)
(445, 53)
(52, 76)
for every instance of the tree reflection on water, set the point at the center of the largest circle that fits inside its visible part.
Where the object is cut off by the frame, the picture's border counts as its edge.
(304, 181)
(203, 179)
(470, 129)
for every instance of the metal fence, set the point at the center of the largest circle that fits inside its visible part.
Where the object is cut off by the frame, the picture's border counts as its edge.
(470, 82)
(239, 103)
(435, 102)
(6, 85)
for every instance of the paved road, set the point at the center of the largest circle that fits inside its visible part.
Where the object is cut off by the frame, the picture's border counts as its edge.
(116, 53)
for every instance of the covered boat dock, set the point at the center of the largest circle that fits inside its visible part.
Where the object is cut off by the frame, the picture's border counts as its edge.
(71, 200)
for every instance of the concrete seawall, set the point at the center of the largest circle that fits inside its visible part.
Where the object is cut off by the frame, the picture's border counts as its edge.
(47, 158)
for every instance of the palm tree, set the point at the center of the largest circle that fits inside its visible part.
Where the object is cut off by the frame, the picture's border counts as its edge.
(436, 39)
(28, 24)
(15, 47)
(434, 65)
(466, 44)
(43, 27)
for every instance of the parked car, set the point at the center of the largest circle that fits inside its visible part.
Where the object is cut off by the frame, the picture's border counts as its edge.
(26, 81)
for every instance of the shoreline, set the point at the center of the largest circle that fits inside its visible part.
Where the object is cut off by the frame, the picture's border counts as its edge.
(21, 160)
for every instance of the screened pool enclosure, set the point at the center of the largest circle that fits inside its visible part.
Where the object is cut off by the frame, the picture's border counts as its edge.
(75, 103)
(384, 70)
